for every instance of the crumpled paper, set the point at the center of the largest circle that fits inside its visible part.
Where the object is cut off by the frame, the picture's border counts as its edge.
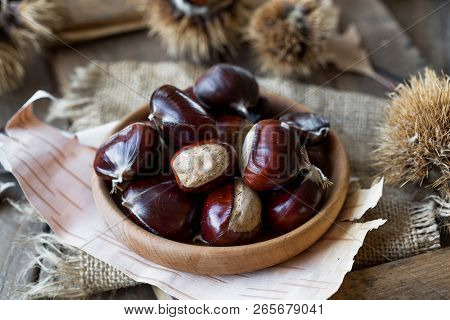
(54, 170)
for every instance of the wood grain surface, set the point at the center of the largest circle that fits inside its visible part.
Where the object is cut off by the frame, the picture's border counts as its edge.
(425, 276)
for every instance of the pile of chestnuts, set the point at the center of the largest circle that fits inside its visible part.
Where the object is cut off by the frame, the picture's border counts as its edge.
(200, 171)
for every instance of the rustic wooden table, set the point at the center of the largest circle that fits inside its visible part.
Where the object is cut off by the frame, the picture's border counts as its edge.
(403, 36)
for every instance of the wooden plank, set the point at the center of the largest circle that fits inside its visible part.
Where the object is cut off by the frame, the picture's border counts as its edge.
(392, 53)
(83, 14)
(425, 276)
(432, 35)
(139, 292)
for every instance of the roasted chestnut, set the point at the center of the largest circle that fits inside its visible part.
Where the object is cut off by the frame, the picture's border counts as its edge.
(181, 119)
(232, 129)
(231, 215)
(292, 206)
(310, 127)
(226, 86)
(204, 165)
(159, 206)
(270, 156)
(131, 151)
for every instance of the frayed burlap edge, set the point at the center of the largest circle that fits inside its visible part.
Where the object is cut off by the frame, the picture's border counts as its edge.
(69, 273)
(441, 208)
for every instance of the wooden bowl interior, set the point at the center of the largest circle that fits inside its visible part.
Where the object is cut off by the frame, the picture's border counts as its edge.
(234, 259)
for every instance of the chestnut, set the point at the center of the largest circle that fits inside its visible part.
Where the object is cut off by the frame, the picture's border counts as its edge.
(159, 206)
(270, 156)
(181, 119)
(131, 151)
(231, 215)
(310, 127)
(204, 165)
(232, 129)
(226, 86)
(292, 206)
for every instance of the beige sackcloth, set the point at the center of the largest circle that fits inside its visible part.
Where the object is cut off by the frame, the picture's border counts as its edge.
(103, 92)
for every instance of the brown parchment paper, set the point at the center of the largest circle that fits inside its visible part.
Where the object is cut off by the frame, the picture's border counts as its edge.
(54, 170)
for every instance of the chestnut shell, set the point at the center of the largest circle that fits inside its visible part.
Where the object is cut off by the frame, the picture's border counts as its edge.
(159, 206)
(181, 119)
(310, 127)
(133, 150)
(270, 156)
(293, 206)
(226, 86)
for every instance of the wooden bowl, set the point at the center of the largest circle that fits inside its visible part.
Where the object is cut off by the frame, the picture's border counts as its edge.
(236, 259)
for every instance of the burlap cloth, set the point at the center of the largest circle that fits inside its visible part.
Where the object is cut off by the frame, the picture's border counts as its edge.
(103, 92)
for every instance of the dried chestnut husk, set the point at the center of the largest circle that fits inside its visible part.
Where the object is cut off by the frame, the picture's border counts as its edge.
(226, 86)
(232, 129)
(270, 156)
(310, 127)
(203, 165)
(231, 215)
(294, 205)
(131, 151)
(159, 206)
(181, 119)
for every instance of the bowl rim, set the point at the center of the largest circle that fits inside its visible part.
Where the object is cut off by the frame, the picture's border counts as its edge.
(334, 198)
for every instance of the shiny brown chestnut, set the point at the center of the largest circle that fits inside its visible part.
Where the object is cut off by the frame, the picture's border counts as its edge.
(159, 206)
(310, 127)
(232, 129)
(181, 119)
(270, 156)
(231, 215)
(203, 165)
(131, 151)
(226, 86)
(190, 92)
(293, 206)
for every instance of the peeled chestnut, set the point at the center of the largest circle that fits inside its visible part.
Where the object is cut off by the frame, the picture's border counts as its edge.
(310, 127)
(232, 129)
(131, 151)
(204, 165)
(294, 205)
(231, 215)
(226, 86)
(159, 206)
(181, 119)
(270, 156)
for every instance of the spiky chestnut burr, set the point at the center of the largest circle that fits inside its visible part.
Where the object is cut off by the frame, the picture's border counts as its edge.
(198, 29)
(414, 141)
(23, 25)
(290, 36)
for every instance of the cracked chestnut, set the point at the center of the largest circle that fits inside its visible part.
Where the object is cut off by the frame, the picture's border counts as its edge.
(293, 206)
(226, 86)
(231, 215)
(202, 166)
(269, 156)
(159, 206)
(131, 151)
(181, 119)
(310, 127)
